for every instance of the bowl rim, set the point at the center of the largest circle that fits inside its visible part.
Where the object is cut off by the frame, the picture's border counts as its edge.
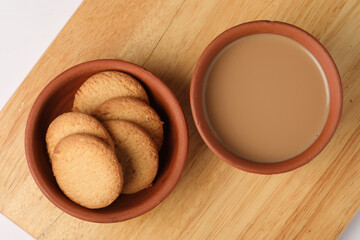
(297, 34)
(150, 202)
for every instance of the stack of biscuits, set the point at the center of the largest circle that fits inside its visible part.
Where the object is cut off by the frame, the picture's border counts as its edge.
(108, 145)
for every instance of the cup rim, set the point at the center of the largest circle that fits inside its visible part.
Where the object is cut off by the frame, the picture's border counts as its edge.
(319, 52)
(148, 203)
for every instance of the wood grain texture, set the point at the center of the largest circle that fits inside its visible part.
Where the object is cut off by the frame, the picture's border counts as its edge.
(212, 199)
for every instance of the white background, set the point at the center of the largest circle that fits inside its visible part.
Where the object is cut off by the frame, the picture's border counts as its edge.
(27, 29)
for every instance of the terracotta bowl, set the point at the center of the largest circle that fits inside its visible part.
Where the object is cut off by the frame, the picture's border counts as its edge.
(297, 34)
(57, 98)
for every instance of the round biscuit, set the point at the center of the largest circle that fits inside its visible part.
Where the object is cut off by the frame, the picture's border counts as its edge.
(103, 86)
(74, 122)
(136, 152)
(87, 170)
(133, 110)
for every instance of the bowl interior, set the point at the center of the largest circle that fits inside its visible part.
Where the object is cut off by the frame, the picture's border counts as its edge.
(309, 42)
(58, 97)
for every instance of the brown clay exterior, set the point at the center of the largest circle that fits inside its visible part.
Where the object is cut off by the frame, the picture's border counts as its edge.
(320, 53)
(57, 97)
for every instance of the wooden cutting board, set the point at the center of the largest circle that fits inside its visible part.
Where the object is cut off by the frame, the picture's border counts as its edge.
(212, 199)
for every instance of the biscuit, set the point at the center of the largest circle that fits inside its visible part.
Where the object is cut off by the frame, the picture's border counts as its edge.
(106, 85)
(87, 170)
(133, 110)
(136, 152)
(74, 122)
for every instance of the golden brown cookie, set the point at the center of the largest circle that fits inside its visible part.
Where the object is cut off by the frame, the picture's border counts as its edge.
(133, 110)
(74, 122)
(103, 86)
(136, 152)
(87, 170)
